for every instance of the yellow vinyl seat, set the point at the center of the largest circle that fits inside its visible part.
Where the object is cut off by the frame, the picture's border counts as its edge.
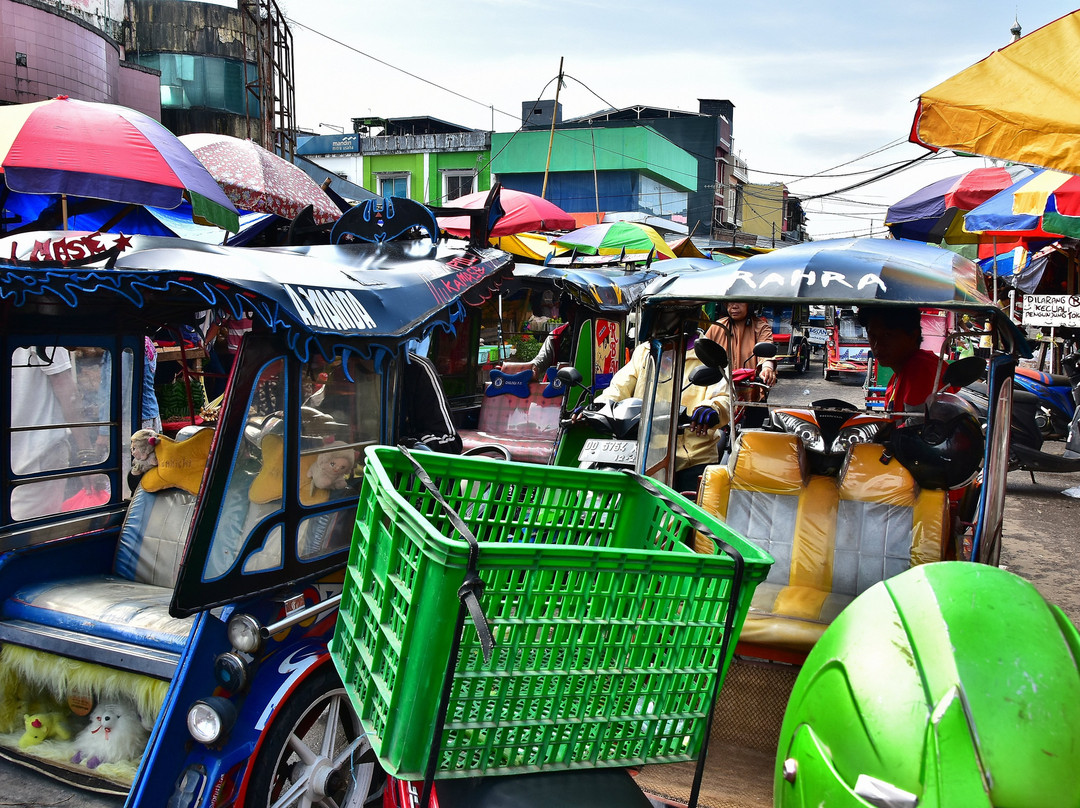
(832, 538)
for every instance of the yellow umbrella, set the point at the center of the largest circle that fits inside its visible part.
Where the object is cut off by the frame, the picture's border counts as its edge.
(533, 246)
(1020, 103)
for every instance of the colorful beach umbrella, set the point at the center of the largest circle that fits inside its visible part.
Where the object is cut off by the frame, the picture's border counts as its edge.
(1020, 103)
(523, 213)
(1045, 205)
(102, 151)
(612, 238)
(934, 214)
(258, 180)
(532, 246)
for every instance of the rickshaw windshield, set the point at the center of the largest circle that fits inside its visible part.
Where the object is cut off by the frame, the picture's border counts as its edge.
(68, 427)
(341, 409)
(654, 440)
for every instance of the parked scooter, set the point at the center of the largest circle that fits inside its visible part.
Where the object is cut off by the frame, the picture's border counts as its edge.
(1025, 435)
(1057, 396)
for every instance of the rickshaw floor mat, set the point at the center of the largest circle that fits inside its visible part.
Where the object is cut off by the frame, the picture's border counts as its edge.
(65, 774)
(742, 742)
(741, 778)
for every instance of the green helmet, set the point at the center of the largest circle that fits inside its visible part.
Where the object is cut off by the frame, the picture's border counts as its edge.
(952, 685)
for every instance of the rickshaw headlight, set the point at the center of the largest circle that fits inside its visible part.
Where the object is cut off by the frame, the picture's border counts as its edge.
(856, 433)
(244, 633)
(209, 720)
(231, 672)
(808, 433)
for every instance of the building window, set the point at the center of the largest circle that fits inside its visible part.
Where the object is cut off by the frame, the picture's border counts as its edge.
(458, 183)
(396, 184)
(192, 81)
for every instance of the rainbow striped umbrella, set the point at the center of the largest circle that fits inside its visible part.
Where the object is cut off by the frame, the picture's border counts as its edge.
(1044, 205)
(102, 151)
(611, 238)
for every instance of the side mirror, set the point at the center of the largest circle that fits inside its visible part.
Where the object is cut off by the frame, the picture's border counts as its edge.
(711, 354)
(965, 371)
(704, 376)
(765, 350)
(569, 375)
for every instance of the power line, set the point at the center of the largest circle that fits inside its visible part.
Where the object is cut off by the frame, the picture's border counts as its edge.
(399, 69)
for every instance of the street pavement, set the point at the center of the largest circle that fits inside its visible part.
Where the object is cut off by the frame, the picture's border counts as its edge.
(1042, 532)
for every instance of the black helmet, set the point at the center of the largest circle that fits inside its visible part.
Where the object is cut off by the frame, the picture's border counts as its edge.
(945, 451)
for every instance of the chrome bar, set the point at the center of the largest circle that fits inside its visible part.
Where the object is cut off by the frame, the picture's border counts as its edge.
(300, 616)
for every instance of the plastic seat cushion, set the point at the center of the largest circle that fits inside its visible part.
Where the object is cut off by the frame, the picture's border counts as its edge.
(109, 607)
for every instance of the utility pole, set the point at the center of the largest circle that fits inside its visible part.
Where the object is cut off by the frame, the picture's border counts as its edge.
(551, 137)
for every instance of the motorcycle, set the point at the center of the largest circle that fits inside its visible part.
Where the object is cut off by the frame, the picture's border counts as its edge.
(1027, 423)
(1057, 396)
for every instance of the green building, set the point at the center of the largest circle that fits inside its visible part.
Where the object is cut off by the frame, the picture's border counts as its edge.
(626, 169)
(422, 158)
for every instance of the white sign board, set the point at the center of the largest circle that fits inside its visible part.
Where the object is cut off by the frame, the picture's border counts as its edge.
(1052, 310)
(818, 336)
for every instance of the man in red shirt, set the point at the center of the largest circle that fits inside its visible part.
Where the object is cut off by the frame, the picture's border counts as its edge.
(895, 333)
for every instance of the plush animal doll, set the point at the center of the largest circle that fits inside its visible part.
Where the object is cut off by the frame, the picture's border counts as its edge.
(143, 455)
(114, 733)
(330, 469)
(42, 726)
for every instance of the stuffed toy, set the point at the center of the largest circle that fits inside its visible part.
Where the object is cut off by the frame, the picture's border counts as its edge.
(42, 726)
(114, 733)
(329, 469)
(143, 454)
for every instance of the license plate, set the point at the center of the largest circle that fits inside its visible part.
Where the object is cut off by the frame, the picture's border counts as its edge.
(609, 451)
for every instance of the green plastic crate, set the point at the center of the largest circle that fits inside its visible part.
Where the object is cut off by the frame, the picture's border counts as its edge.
(608, 627)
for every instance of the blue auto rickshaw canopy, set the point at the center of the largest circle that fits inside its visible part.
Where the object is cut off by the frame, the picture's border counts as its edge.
(317, 294)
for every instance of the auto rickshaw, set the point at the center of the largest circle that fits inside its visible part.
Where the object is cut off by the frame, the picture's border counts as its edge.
(847, 350)
(583, 314)
(177, 592)
(832, 536)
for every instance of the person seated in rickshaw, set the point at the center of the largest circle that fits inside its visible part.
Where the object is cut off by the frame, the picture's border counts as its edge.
(738, 333)
(708, 406)
(425, 414)
(895, 334)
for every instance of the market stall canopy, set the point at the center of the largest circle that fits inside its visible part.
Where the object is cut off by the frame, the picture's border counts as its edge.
(522, 212)
(1043, 206)
(313, 295)
(1020, 103)
(102, 151)
(935, 213)
(258, 180)
(24, 212)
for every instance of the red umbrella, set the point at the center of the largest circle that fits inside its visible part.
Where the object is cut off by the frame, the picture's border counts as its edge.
(525, 213)
(258, 180)
(935, 213)
(102, 151)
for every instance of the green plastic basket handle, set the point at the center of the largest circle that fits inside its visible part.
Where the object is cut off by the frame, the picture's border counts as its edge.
(472, 588)
(469, 593)
(729, 618)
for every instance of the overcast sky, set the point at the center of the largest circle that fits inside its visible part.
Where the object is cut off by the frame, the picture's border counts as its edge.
(822, 88)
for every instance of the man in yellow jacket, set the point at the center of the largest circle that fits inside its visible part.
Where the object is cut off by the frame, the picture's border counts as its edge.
(709, 407)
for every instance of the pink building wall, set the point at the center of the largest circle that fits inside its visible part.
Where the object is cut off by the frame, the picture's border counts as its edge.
(66, 57)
